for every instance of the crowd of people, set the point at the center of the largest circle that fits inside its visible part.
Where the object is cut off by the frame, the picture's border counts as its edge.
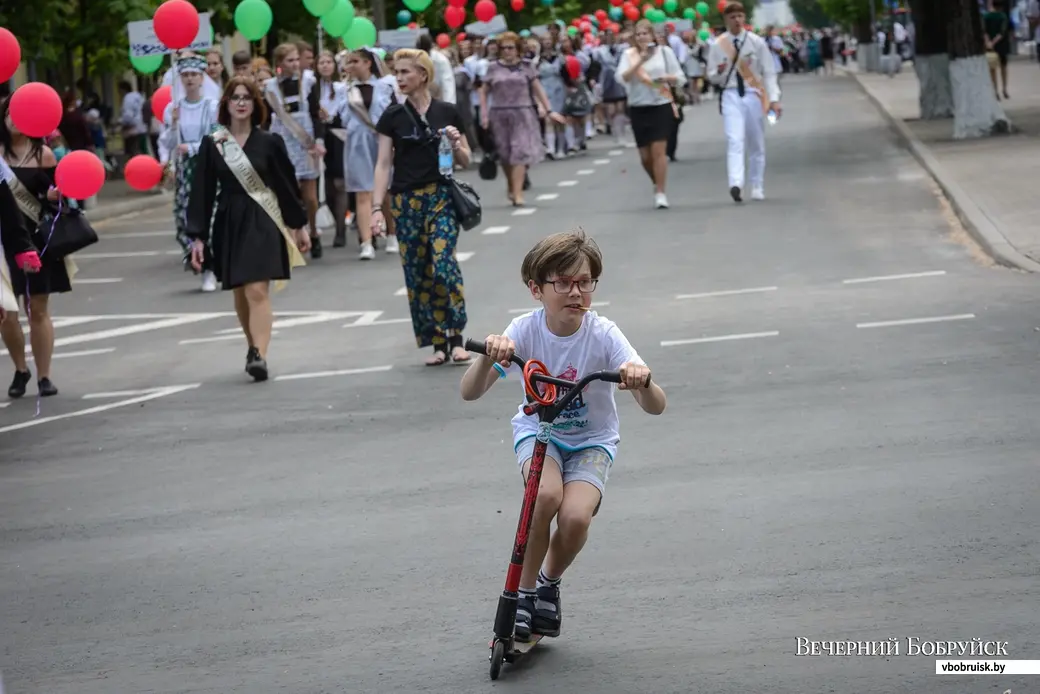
(263, 159)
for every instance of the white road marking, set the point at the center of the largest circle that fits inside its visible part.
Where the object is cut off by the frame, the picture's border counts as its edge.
(585, 172)
(916, 321)
(385, 321)
(491, 231)
(138, 235)
(344, 372)
(594, 304)
(726, 292)
(403, 291)
(4, 404)
(154, 394)
(134, 329)
(884, 278)
(524, 211)
(719, 338)
(98, 280)
(237, 335)
(548, 196)
(615, 152)
(567, 184)
(462, 257)
(69, 355)
(319, 317)
(367, 318)
(600, 161)
(125, 254)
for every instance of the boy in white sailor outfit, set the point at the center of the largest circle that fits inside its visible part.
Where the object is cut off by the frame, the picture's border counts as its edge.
(749, 89)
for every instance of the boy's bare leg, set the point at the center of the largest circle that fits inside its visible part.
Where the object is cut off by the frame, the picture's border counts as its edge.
(572, 527)
(550, 496)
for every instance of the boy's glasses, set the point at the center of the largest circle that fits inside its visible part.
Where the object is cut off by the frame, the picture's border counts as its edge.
(563, 286)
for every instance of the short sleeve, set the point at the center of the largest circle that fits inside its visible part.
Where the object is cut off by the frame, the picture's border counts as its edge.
(385, 126)
(620, 351)
(515, 331)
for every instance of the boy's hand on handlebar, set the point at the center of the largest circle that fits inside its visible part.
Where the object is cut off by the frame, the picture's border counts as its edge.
(499, 349)
(633, 376)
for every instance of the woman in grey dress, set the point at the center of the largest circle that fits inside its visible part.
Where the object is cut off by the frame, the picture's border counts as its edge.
(550, 74)
(368, 95)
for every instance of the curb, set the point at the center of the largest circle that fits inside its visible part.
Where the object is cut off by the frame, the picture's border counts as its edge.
(979, 225)
(118, 209)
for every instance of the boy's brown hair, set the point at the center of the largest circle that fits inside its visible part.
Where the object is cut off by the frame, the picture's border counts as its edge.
(560, 253)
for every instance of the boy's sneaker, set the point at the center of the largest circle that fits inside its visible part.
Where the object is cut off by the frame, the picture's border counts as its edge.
(547, 613)
(524, 615)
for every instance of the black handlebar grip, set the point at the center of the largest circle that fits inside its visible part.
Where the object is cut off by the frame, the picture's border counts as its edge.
(478, 347)
(615, 377)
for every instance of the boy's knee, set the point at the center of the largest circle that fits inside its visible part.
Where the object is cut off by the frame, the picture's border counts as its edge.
(550, 498)
(574, 521)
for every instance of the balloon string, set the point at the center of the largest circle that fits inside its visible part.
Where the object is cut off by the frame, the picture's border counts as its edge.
(28, 296)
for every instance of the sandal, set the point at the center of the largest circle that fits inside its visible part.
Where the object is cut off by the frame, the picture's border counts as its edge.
(459, 355)
(439, 357)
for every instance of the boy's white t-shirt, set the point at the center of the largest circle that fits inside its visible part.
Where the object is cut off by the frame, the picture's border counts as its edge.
(599, 345)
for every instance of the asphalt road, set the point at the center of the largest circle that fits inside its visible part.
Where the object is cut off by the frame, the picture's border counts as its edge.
(820, 472)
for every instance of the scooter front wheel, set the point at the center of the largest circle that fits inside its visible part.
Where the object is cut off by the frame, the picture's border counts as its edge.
(498, 654)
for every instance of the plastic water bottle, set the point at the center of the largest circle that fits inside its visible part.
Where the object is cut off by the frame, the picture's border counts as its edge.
(771, 117)
(445, 156)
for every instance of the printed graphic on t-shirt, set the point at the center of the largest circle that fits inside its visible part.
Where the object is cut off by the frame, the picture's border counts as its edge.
(576, 416)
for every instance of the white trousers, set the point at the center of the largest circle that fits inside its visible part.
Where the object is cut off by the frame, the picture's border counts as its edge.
(745, 134)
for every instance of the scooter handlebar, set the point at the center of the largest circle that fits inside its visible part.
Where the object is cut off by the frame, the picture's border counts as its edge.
(608, 376)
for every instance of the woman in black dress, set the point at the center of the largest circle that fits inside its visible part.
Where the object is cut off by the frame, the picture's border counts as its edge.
(31, 180)
(15, 243)
(259, 203)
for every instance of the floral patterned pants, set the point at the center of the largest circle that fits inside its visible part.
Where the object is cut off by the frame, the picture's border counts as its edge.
(427, 233)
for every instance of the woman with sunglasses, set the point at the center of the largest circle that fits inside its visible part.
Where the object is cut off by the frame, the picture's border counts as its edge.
(421, 205)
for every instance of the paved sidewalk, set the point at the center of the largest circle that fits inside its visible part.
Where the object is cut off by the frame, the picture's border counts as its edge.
(117, 198)
(991, 182)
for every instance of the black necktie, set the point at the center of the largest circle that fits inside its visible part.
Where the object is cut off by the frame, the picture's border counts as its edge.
(736, 67)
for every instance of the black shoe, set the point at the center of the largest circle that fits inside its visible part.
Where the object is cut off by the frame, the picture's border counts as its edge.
(547, 613)
(21, 380)
(341, 239)
(524, 613)
(256, 366)
(734, 193)
(315, 247)
(46, 388)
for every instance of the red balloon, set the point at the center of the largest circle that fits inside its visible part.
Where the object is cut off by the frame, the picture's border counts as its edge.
(601, 15)
(617, 3)
(573, 67)
(443, 40)
(457, 3)
(517, 5)
(160, 100)
(722, 5)
(632, 13)
(35, 109)
(413, 25)
(143, 172)
(176, 24)
(454, 17)
(80, 175)
(10, 55)
(484, 10)
(460, 37)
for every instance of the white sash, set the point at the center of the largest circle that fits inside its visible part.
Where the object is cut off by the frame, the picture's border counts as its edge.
(32, 209)
(236, 160)
(750, 79)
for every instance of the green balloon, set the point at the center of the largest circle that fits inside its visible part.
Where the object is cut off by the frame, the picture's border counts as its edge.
(705, 26)
(670, 6)
(362, 32)
(319, 8)
(253, 19)
(704, 34)
(688, 13)
(417, 5)
(702, 8)
(572, 31)
(146, 64)
(339, 20)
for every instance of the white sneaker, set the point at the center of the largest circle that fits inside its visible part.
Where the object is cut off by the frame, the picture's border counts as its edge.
(367, 251)
(660, 201)
(391, 245)
(757, 194)
(209, 281)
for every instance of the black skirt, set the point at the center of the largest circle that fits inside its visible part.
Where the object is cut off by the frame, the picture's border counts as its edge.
(651, 123)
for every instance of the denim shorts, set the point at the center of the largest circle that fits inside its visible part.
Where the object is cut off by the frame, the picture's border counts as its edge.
(590, 465)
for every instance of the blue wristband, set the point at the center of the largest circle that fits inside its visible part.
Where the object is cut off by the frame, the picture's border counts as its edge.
(500, 370)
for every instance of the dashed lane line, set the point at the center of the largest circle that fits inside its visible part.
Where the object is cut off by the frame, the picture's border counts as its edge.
(886, 278)
(718, 338)
(726, 292)
(548, 196)
(585, 172)
(325, 374)
(600, 162)
(567, 184)
(916, 321)
(494, 231)
(524, 211)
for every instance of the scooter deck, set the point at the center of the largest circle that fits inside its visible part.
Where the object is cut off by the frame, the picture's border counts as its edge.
(522, 647)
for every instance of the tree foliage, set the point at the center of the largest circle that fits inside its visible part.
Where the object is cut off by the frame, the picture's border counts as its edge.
(850, 13)
(810, 14)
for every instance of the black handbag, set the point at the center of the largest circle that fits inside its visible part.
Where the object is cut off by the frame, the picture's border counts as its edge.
(62, 234)
(488, 168)
(466, 202)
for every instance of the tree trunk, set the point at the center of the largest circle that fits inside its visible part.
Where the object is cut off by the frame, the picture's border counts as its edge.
(976, 111)
(931, 60)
